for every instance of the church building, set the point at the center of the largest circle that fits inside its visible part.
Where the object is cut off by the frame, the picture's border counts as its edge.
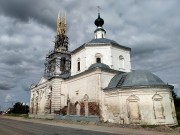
(96, 81)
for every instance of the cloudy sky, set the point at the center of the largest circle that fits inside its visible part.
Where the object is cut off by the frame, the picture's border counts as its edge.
(27, 29)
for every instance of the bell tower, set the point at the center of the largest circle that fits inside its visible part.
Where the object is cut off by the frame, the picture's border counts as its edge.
(58, 61)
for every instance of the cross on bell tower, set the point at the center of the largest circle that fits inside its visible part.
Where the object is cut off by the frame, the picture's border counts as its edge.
(58, 61)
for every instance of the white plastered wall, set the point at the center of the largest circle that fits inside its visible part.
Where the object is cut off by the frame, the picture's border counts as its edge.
(77, 87)
(74, 59)
(116, 53)
(110, 57)
(90, 84)
(116, 106)
(87, 58)
(41, 92)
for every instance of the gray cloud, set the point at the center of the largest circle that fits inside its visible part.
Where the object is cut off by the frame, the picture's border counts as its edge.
(6, 86)
(23, 10)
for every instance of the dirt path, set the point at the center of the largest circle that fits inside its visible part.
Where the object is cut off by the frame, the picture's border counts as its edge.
(93, 127)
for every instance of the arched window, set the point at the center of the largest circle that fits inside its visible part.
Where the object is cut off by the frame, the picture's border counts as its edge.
(78, 64)
(121, 62)
(98, 58)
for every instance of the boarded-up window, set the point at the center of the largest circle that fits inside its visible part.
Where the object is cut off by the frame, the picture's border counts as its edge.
(133, 110)
(158, 108)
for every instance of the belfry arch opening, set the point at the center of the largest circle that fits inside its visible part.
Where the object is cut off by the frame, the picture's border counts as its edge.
(63, 63)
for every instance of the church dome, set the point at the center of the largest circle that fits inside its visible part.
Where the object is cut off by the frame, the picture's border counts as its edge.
(136, 78)
(99, 21)
(99, 65)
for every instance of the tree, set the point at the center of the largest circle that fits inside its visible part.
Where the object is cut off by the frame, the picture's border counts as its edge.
(19, 108)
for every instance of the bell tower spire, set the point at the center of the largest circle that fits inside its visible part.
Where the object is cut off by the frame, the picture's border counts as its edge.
(61, 24)
(58, 61)
(61, 39)
(99, 32)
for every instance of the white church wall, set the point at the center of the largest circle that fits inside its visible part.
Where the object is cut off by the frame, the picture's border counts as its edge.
(77, 87)
(64, 94)
(143, 106)
(42, 102)
(81, 55)
(56, 93)
(168, 108)
(111, 109)
(39, 96)
(48, 97)
(106, 78)
(82, 90)
(89, 84)
(109, 55)
(88, 57)
(117, 64)
(104, 51)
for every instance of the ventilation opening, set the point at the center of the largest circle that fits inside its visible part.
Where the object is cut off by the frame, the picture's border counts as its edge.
(121, 81)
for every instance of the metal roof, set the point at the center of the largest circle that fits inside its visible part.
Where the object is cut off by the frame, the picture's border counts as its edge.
(135, 78)
(101, 42)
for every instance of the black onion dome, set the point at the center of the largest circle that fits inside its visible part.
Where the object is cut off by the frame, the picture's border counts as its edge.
(99, 21)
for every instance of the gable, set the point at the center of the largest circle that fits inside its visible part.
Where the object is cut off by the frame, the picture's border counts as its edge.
(42, 80)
